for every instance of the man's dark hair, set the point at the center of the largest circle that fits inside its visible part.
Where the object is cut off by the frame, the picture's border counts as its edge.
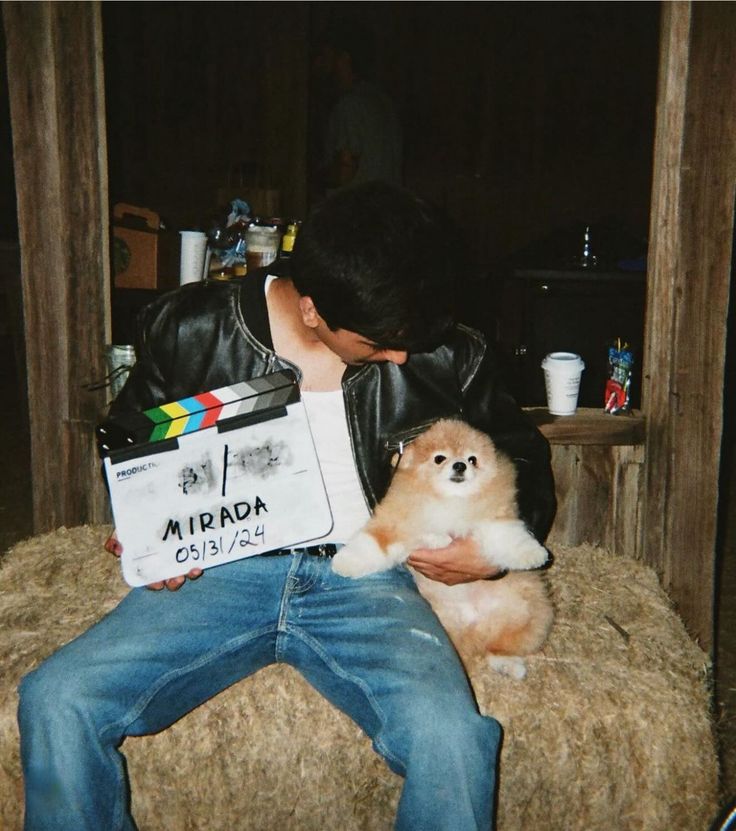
(375, 260)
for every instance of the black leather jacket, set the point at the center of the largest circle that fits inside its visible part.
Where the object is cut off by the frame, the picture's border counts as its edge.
(213, 334)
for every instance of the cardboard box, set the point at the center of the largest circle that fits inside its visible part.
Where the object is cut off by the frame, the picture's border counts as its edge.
(144, 256)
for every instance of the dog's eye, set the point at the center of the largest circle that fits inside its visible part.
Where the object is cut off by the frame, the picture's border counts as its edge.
(439, 458)
(472, 460)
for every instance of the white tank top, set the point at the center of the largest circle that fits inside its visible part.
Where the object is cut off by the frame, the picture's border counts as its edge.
(328, 421)
(329, 425)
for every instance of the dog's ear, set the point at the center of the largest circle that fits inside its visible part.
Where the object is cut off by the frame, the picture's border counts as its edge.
(490, 450)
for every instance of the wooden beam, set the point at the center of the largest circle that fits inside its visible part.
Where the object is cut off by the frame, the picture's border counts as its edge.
(54, 59)
(692, 221)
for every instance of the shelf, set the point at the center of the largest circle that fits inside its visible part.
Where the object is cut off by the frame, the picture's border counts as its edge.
(591, 275)
(589, 426)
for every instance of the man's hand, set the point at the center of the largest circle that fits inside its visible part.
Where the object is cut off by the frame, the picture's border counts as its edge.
(459, 562)
(114, 546)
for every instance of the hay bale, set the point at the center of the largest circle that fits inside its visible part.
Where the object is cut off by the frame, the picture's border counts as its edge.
(611, 728)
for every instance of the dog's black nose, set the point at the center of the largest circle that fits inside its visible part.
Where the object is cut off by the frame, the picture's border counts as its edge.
(459, 467)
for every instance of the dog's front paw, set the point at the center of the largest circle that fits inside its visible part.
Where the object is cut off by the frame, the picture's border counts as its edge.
(528, 552)
(434, 541)
(510, 545)
(361, 556)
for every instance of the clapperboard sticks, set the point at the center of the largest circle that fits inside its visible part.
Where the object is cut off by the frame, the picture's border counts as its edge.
(157, 429)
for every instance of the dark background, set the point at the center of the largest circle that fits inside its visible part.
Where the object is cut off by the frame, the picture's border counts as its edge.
(524, 121)
(519, 118)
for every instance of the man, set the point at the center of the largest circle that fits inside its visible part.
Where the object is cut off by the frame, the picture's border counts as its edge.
(364, 322)
(363, 136)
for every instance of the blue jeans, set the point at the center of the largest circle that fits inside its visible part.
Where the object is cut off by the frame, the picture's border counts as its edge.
(371, 646)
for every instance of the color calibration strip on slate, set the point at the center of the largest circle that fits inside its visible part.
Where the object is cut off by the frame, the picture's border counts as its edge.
(198, 412)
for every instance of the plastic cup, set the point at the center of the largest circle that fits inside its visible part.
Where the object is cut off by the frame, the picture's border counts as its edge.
(193, 250)
(562, 372)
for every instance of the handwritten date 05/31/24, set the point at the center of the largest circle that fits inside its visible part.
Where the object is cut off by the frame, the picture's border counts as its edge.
(217, 546)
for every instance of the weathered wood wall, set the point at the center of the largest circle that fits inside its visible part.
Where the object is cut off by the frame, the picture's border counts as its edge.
(599, 496)
(598, 462)
(57, 107)
(692, 224)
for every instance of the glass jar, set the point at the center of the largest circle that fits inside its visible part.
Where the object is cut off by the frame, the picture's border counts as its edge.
(262, 244)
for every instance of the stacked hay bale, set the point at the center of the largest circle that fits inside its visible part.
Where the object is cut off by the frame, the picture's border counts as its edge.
(610, 729)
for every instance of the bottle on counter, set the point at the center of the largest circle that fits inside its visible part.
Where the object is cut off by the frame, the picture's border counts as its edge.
(289, 238)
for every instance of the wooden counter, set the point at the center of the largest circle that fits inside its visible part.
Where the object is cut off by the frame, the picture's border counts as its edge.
(597, 460)
(590, 426)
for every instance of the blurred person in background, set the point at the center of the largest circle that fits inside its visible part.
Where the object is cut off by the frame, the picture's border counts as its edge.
(362, 139)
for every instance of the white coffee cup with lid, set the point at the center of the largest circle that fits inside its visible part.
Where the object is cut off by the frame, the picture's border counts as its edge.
(562, 373)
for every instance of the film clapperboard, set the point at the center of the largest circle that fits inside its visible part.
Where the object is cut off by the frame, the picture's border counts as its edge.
(216, 477)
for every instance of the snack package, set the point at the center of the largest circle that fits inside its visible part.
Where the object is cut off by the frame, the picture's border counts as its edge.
(618, 385)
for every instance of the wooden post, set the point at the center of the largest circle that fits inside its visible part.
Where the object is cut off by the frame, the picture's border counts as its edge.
(692, 221)
(54, 59)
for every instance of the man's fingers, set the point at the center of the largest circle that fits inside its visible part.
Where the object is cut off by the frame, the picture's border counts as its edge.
(113, 546)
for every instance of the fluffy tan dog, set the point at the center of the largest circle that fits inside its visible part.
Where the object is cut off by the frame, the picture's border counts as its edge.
(452, 482)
